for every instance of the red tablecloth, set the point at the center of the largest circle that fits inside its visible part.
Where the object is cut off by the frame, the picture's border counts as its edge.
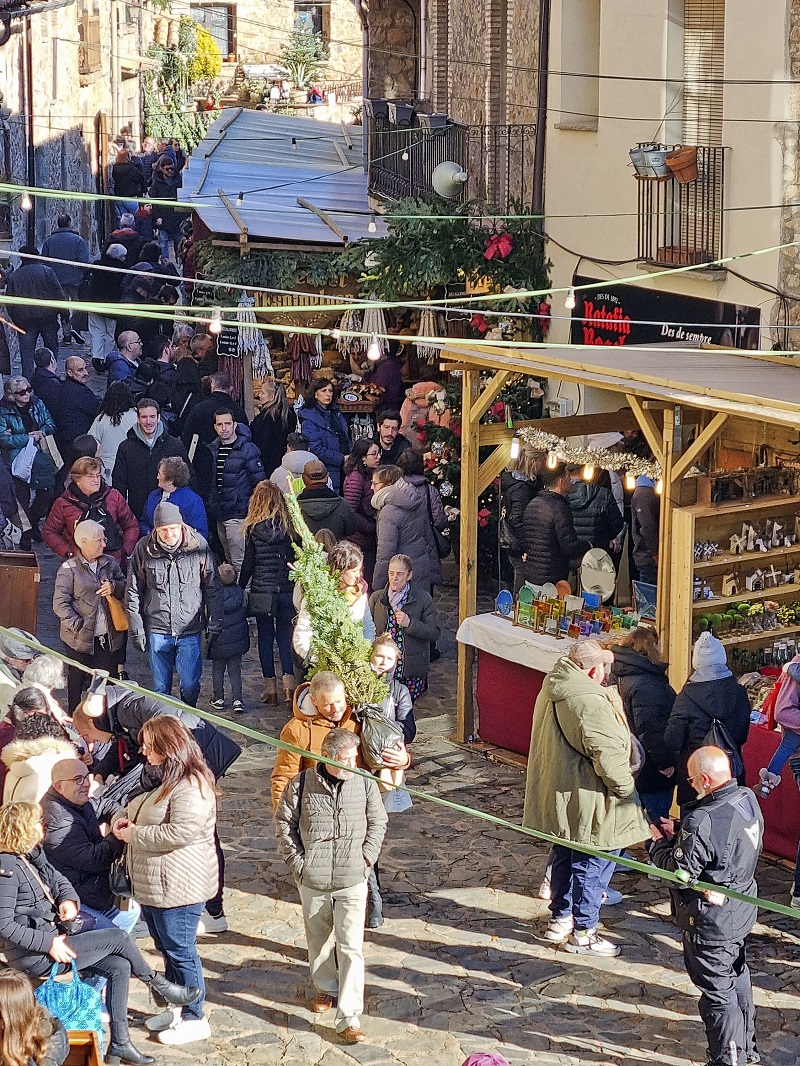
(782, 806)
(506, 693)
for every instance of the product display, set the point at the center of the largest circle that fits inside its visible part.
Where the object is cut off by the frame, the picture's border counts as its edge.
(540, 608)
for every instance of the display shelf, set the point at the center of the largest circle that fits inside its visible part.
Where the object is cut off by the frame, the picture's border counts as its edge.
(768, 635)
(736, 560)
(761, 503)
(748, 597)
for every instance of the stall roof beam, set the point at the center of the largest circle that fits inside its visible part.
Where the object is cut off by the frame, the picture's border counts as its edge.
(326, 218)
(702, 442)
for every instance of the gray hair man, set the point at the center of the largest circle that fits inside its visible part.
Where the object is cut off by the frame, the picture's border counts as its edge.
(719, 842)
(330, 825)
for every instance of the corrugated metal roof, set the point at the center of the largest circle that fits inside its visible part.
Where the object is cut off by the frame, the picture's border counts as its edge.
(246, 150)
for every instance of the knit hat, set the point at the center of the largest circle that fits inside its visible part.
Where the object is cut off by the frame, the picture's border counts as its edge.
(589, 653)
(15, 649)
(485, 1059)
(167, 514)
(645, 482)
(315, 472)
(116, 251)
(709, 659)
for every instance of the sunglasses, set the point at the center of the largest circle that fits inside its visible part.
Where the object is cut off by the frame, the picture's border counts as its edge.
(22, 392)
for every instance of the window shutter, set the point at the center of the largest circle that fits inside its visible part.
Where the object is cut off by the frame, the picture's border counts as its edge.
(703, 71)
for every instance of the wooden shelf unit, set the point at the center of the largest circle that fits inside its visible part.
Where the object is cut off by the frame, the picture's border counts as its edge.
(718, 524)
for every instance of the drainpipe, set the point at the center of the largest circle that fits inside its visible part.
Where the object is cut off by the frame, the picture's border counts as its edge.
(30, 151)
(541, 112)
(363, 14)
(116, 116)
(423, 49)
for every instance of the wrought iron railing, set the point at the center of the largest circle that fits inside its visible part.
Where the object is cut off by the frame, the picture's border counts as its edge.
(405, 148)
(683, 224)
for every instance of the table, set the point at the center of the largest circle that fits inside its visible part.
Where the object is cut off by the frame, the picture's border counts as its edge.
(512, 663)
(781, 807)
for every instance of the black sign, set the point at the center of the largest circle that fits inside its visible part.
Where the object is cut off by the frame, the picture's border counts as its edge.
(228, 342)
(627, 314)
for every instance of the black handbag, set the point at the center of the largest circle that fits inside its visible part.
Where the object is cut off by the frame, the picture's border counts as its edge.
(718, 737)
(442, 542)
(118, 878)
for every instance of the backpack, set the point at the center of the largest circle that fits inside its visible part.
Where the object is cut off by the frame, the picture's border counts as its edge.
(97, 512)
(718, 737)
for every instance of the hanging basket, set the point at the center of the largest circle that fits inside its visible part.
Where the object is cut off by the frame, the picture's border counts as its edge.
(683, 163)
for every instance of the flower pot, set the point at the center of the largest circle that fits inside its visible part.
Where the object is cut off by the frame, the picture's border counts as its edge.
(638, 160)
(683, 163)
(656, 163)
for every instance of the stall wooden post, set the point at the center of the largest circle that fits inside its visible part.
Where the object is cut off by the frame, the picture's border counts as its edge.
(468, 572)
(665, 525)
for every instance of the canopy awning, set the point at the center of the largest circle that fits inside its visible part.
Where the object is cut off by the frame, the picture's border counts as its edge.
(765, 387)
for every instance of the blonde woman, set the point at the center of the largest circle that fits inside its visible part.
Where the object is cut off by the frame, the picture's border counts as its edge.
(268, 535)
(172, 862)
(38, 916)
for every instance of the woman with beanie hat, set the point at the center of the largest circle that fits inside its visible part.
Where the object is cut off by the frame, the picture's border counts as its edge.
(711, 694)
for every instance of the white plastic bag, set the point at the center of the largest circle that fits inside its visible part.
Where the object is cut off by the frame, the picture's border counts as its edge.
(22, 467)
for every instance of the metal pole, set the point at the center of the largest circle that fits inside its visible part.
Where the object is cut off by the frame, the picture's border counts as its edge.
(30, 151)
(541, 111)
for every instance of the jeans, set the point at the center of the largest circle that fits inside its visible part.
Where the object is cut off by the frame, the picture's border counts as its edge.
(215, 906)
(657, 804)
(276, 627)
(231, 534)
(790, 742)
(721, 973)
(167, 654)
(103, 658)
(234, 668)
(47, 328)
(577, 884)
(174, 930)
(334, 924)
(164, 239)
(124, 920)
(101, 334)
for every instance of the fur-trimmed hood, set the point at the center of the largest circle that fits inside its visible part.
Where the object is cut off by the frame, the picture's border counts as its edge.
(21, 750)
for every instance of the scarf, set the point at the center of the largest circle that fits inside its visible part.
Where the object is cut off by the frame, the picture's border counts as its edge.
(397, 600)
(382, 495)
(353, 593)
(29, 423)
(711, 673)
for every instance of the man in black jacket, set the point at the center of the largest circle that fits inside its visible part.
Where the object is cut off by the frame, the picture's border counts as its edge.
(200, 424)
(236, 470)
(34, 281)
(136, 467)
(552, 548)
(719, 842)
(76, 847)
(595, 514)
(321, 507)
(645, 508)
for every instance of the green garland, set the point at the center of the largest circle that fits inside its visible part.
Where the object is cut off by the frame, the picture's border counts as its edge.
(338, 643)
(276, 270)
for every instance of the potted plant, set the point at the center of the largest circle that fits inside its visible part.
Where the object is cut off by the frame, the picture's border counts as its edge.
(304, 58)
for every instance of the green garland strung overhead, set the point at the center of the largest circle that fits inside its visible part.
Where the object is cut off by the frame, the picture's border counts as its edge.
(338, 643)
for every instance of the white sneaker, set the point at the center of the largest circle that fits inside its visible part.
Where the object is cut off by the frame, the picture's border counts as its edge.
(165, 1020)
(558, 930)
(545, 891)
(209, 924)
(768, 781)
(587, 942)
(186, 1031)
(795, 902)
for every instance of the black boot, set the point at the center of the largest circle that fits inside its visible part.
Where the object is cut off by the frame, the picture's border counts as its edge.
(118, 1053)
(166, 993)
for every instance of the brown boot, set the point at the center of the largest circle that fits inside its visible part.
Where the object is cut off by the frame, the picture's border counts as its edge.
(270, 693)
(289, 685)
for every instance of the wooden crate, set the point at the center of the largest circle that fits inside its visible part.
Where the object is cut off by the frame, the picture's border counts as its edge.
(84, 1049)
(19, 589)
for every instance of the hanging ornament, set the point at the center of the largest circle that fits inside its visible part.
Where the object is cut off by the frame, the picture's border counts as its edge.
(374, 322)
(437, 448)
(252, 340)
(446, 489)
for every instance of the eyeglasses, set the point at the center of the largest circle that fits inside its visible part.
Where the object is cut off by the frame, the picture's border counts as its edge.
(22, 392)
(75, 780)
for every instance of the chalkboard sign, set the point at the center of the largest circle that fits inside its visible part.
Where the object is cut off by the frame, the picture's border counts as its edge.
(228, 342)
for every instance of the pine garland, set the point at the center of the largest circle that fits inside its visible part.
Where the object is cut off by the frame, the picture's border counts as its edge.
(602, 458)
(338, 643)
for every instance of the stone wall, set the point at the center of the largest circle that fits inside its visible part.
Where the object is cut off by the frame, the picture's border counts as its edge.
(789, 262)
(346, 42)
(392, 38)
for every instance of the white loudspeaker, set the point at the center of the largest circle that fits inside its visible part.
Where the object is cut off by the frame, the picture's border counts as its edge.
(448, 180)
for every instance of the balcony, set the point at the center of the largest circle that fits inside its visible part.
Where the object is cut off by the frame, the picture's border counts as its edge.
(405, 148)
(680, 225)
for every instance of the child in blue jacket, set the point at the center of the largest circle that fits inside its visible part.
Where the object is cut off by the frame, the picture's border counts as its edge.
(227, 648)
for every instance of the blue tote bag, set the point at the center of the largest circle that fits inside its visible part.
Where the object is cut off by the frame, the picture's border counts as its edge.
(76, 1005)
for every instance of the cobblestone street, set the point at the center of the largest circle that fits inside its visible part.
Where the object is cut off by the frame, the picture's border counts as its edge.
(459, 965)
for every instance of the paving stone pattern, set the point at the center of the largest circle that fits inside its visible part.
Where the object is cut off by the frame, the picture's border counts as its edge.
(459, 965)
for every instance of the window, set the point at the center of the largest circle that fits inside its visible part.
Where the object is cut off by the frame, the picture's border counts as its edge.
(220, 21)
(315, 18)
(580, 56)
(703, 71)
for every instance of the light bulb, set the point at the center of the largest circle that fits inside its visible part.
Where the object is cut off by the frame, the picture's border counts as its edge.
(659, 487)
(372, 228)
(336, 334)
(26, 203)
(588, 472)
(404, 156)
(374, 350)
(515, 447)
(294, 144)
(215, 322)
(569, 303)
(630, 482)
(552, 460)
(240, 199)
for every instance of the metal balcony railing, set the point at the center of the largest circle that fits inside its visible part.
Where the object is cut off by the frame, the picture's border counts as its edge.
(680, 225)
(405, 148)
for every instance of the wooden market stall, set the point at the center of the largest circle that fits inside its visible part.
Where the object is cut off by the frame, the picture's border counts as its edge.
(737, 416)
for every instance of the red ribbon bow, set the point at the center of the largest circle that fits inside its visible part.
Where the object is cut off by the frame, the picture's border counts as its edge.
(500, 244)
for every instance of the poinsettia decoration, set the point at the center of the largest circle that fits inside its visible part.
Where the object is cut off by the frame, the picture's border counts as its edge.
(499, 244)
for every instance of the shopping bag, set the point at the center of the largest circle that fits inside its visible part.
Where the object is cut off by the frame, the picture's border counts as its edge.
(49, 447)
(22, 466)
(76, 1005)
(119, 619)
(377, 734)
